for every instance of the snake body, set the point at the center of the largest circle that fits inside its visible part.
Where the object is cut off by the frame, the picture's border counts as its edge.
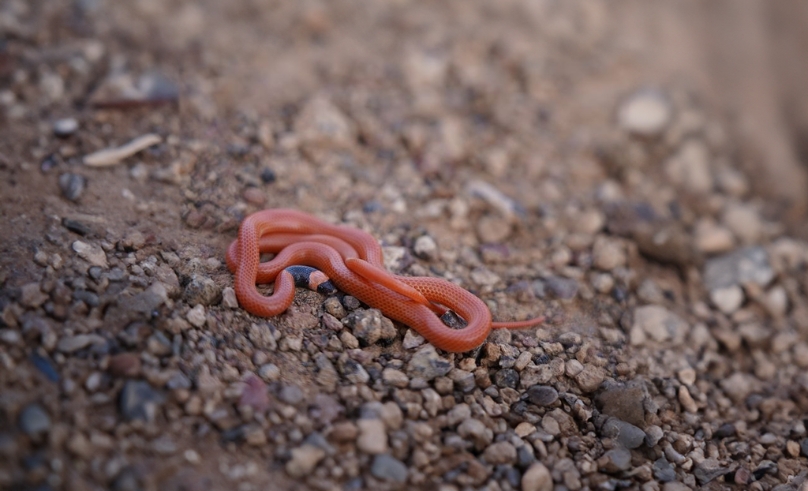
(353, 260)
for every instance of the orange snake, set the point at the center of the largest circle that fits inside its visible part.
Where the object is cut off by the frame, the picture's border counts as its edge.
(352, 259)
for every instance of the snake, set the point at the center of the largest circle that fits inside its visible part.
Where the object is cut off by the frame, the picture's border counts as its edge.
(353, 260)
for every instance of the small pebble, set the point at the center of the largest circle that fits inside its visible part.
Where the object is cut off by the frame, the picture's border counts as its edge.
(372, 436)
(426, 364)
(616, 460)
(387, 468)
(500, 453)
(229, 299)
(663, 470)
(65, 127)
(34, 421)
(537, 478)
(138, 400)
(304, 459)
(542, 395)
(72, 185)
(628, 435)
(647, 112)
(197, 316)
(425, 248)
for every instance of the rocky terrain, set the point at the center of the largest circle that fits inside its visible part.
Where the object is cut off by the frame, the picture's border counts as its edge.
(519, 149)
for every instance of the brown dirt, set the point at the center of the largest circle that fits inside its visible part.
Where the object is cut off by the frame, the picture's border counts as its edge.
(382, 115)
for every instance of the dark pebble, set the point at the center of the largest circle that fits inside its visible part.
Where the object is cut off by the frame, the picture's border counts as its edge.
(76, 226)
(124, 365)
(626, 434)
(542, 395)
(72, 185)
(804, 447)
(350, 303)
(178, 381)
(140, 401)
(126, 480)
(34, 420)
(509, 474)
(562, 288)
(235, 434)
(524, 457)
(726, 430)
(49, 162)
(268, 175)
(765, 467)
(507, 377)
(90, 298)
(354, 484)
(95, 272)
(708, 470)
(46, 366)
(453, 320)
(158, 87)
(34, 462)
(664, 471)
(372, 206)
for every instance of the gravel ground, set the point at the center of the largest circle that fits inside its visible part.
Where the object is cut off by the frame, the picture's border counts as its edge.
(514, 148)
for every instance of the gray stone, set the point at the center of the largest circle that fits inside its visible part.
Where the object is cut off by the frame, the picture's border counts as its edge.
(34, 421)
(659, 324)
(562, 288)
(146, 301)
(708, 470)
(507, 377)
(201, 290)
(139, 400)
(71, 344)
(370, 326)
(653, 434)
(72, 185)
(426, 364)
(476, 430)
(626, 434)
(387, 468)
(352, 370)
(91, 253)
(750, 264)
(291, 394)
(663, 470)
(542, 395)
(616, 460)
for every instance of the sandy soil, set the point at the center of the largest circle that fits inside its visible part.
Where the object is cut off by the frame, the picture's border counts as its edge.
(585, 161)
